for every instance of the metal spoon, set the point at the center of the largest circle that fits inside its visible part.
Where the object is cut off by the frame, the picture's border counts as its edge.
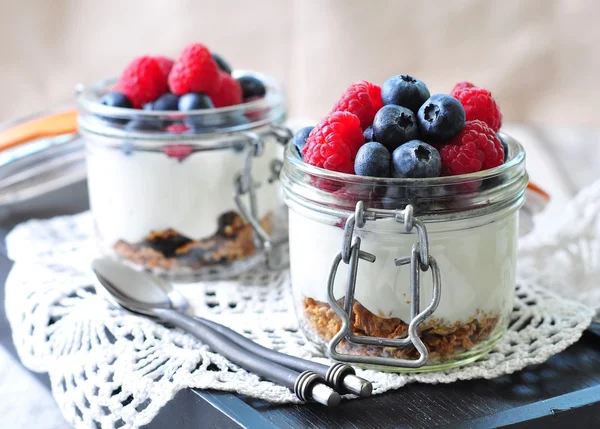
(142, 293)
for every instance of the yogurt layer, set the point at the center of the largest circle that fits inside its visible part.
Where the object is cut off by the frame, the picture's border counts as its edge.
(476, 261)
(132, 195)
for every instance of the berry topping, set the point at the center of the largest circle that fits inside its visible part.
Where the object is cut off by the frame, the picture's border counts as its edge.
(368, 134)
(194, 71)
(223, 65)
(252, 87)
(363, 99)
(178, 151)
(394, 125)
(479, 104)
(177, 128)
(372, 159)
(475, 148)
(441, 117)
(416, 159)
(165, 64)
(462, 85)
(229, 92)
(406, 91)
(334, 142)
(301, 136)
(194, 101)
(166, 101)
(142, 81)
(116, 99)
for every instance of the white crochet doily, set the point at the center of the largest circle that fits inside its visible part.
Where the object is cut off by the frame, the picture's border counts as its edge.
(112, 369)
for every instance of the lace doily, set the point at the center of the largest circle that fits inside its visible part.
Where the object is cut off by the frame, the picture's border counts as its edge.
(112, 369)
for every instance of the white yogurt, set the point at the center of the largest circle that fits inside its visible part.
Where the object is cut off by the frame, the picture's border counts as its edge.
(132, 195)
(476, 258)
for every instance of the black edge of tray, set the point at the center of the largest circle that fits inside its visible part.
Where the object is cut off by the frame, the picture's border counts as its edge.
(564, 390)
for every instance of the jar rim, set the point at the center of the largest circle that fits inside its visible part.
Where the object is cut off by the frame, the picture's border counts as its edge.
(267, 110)
(438, 198)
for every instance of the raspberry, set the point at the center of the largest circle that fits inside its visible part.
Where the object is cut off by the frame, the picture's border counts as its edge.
(177, 128)
(178, 151)
(363, 99)
(165, 64)
(479, 104)
(142, 81)
(333, 143)
(475, 148)
(194, 71)
(462, 85)
(229, 92)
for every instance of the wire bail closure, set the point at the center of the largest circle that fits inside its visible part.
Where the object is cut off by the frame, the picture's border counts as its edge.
(244, 184)
(419, 260)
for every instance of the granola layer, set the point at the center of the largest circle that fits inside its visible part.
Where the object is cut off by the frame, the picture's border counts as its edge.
(443, 340)
(169, 249)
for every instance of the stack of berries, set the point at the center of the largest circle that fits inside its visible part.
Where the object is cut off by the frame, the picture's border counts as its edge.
(198, 79)
(400, 130)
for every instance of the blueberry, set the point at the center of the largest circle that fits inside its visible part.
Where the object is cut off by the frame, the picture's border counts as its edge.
(195, 101)
(372, 159)
(404, 90)
(300, 138)
(441, 118)
(166, 101)
(222, 63)
(143, 125)
(394, 125)
(207, 123)
(416, 159)
(116, 99)
(252, 87)
(368, 134)
(504, 145)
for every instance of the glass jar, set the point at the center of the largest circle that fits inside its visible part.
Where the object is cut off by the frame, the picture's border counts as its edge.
(362, 250)
(197, 202)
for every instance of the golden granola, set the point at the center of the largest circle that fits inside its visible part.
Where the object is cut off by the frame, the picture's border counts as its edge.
(168, 249)
(442, 341)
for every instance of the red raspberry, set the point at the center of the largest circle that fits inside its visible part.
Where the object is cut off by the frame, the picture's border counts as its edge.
(194, 71)
(178, 151)
(165, 64)
(333, 143)
(475, 148)
(363, 99)
(229, 92)
(462, 85)
(177, 128)
(142, 81)
(479, 104)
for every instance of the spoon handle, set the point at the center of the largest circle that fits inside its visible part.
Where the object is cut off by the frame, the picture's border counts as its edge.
(307, 385)
(339, 376)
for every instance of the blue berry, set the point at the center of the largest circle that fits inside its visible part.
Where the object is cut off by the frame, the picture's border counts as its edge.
(441, 118)
(166, 101)
(143, 125)
(300, 138)
(372, 159)
(394, 125)
(504, 145)
(195, 101)
(404, 90)
(368, 134)
(252, 87)
(223, 65)
(116, 99)
(416, 159)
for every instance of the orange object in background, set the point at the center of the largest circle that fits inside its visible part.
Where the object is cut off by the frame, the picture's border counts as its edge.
(64, 122)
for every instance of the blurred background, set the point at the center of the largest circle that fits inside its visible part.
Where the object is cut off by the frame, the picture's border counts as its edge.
(539, 57)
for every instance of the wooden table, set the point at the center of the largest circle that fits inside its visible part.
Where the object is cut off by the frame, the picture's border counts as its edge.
(563, 392)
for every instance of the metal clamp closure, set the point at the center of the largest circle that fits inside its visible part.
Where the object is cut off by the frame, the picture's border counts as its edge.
(244, 184)
(419, 260)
